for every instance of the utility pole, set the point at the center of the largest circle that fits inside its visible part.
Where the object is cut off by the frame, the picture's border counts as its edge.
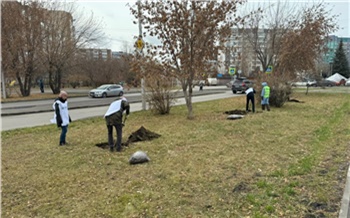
(3, 82)
(141, 52)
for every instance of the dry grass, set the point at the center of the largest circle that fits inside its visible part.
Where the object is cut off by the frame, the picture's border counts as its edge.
(289, 162)
(36, 95)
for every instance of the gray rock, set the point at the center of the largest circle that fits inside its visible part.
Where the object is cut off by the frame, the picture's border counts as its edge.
(234, 117)
(139, 157)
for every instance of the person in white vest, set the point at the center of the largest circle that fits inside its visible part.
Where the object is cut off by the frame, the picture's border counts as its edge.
(250, 97)
(114, 118)
(62, 118)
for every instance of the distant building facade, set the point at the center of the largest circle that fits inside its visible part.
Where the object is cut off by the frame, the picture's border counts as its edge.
(332, 46)
(240, 53)
(118, 54)
(96, 53)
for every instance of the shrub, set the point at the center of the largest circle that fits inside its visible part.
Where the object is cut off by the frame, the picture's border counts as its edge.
(280, 93)
(280, 90)
(161, 98)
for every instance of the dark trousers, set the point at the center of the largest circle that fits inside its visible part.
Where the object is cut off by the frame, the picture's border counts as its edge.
(64, 130)
(119, 130)
(250, 97)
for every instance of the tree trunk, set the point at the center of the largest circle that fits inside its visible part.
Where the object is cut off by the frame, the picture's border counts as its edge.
(25, 85)
(188, 99)
(55, 79)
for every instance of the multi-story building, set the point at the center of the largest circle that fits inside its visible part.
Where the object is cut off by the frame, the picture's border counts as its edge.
(96, 53)
(332, 46)
(118, 54)
(61, 24)
(240, 53)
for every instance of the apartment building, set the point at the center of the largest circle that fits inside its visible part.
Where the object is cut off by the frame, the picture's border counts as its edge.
(118, 54)
(61, 22)
(240, 53)
(96, 53)
(332, 46)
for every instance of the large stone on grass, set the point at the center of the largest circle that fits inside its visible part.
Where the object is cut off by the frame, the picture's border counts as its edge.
(139, 157)
(234, 117)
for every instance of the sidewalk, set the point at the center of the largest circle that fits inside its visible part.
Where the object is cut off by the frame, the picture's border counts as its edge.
(40, 119)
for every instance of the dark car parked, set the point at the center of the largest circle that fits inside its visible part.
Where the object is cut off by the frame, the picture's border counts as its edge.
(325, 82)
(240, 85)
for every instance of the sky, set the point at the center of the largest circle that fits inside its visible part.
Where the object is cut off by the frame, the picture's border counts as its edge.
(120, 30)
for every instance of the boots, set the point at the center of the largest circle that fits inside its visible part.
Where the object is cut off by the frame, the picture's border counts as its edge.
(268, 107)
(263, 107)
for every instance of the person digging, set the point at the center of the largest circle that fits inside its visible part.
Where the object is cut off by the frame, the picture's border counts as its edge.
(250, 98)
(114, 118)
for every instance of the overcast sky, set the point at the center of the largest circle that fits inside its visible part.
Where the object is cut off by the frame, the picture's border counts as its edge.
(120, 29)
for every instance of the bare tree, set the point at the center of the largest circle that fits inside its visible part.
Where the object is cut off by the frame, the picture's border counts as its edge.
(67, 31)
(265, 30)
(21, 41)
(190, 32)
(45, 36)
(126, 47)
(292, 41)
(159, 83)
(100, 71)
(305, 42)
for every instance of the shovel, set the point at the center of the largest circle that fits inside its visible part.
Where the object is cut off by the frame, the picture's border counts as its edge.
(123, 123)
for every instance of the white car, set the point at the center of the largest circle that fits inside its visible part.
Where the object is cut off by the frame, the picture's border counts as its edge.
(305, 83)
(212, 81)
(106, 90)
(347, 83)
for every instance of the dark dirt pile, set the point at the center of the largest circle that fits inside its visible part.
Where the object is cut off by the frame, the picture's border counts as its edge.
(142, 134)
(295, 100)
(239, 112)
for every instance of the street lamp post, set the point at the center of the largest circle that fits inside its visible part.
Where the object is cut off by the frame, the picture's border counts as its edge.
(141, 52)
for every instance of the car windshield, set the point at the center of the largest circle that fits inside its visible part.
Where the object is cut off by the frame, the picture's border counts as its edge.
(241, 80)
(103, 87)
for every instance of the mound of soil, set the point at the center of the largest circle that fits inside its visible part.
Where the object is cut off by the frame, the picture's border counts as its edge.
(295, 100)
(239, 112)
(142, 134)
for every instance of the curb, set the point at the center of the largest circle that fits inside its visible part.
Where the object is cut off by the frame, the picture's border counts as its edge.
(345, 202)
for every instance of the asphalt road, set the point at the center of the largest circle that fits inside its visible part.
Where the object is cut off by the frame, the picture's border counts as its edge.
(36, 113)
(38, 106)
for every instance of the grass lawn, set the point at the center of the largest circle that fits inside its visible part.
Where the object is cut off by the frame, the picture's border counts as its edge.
(289, 162)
